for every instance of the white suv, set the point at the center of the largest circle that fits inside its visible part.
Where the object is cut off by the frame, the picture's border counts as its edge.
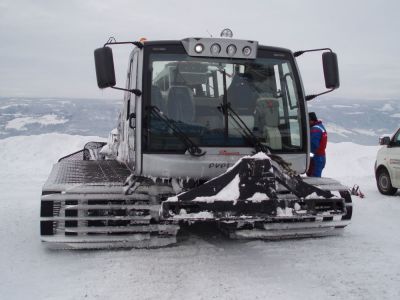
(387, 165)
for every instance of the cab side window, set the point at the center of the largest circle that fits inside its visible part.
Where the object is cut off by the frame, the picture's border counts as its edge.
(396, 139)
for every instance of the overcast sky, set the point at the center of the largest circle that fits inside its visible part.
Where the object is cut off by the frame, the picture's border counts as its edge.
(47, 45)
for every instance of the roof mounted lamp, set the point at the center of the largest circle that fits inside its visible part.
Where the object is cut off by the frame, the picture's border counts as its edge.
(226, 33)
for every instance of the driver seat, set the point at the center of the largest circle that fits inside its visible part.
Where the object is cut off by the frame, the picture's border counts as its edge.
(180, 104)
(267, 121)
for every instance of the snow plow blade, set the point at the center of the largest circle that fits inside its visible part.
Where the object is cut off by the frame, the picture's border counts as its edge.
(259, 199)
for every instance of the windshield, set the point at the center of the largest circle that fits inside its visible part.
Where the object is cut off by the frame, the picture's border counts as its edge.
(191, 92)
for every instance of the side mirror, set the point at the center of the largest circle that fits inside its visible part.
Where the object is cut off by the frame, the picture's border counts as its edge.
(331, 70)
(105, 72)
(384, 140)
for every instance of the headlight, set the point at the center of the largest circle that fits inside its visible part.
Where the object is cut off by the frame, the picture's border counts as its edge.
(199, 48)
(231, 50)
(246, 51)
(215, 49)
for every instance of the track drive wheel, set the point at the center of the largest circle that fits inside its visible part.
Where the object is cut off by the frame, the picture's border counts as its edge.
(384, 183)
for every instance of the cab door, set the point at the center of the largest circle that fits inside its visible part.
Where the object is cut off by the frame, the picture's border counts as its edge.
(131, 117)
(393, 158)
(127, 147)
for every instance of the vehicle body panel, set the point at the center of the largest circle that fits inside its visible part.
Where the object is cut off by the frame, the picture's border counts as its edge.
(388, 157)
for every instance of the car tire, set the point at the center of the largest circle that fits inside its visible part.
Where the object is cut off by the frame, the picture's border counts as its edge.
(384, 183)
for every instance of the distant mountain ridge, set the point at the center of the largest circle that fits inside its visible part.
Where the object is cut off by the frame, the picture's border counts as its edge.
(358, 121)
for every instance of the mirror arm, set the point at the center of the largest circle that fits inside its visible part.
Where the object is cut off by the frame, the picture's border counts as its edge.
(112, 41)
(310, 97)
(298, 53)
(133, 91)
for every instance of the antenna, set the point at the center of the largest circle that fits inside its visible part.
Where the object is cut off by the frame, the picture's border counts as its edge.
(209, 33)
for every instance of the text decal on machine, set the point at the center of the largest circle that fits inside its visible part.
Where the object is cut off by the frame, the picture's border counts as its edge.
(219, 165)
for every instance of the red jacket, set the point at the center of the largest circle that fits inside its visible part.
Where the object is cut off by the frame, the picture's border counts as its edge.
(318, 138)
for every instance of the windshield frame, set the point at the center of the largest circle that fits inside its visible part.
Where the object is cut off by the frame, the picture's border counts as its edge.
(176, 47)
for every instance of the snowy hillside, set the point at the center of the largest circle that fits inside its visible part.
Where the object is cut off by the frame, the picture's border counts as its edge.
(27, 116)
(358, 121)
(364, 263)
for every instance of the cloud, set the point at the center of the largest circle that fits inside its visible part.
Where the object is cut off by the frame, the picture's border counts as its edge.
(47, 46)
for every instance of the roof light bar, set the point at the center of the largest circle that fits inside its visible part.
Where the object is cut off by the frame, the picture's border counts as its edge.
(220, 47)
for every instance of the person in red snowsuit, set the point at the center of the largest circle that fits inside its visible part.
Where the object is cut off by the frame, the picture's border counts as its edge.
(318, 142)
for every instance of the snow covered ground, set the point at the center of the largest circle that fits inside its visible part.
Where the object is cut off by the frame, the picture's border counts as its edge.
(364, 263)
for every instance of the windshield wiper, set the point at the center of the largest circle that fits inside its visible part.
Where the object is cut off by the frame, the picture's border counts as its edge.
(228, 112)
(251, 138)
(245, 131)
(191, 147)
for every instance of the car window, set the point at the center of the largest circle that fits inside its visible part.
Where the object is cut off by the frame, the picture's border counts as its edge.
(396, 139)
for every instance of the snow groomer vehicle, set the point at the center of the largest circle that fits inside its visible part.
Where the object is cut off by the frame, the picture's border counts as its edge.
(211, 130)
